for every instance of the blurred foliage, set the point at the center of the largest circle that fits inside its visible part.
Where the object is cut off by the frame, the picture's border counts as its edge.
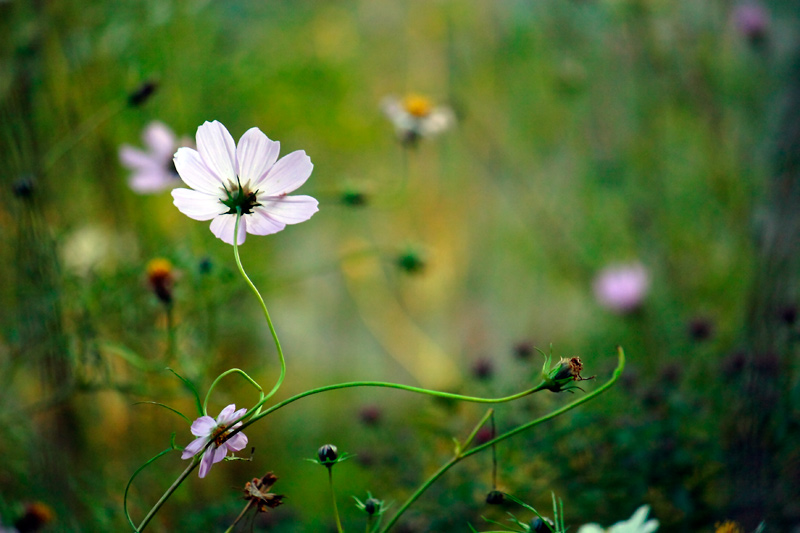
(589, 132)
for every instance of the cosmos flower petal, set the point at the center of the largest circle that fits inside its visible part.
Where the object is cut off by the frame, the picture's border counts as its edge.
(203, 426)
(237, 442)
(194, 447)
(197, 205)
(261, 223)
(255, 154)
(590, 528)
(289, 173)
(206, 462)
(225, 416)
(290, 209)
(149, 181)
(220, 453)
(135, 159)
(223, 226)
(195, 173)
(160, 140)
(218, 151)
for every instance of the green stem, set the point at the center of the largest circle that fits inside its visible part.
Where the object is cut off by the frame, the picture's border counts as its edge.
(170, 334)
(463, 455)
(263, 306)
(409, 388)
(168, 493)
(69, 142)
(333, 499)
(226, 373)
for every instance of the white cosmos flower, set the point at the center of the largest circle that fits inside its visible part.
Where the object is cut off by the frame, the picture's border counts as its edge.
(250, 177)
(206, 429)
(415, 116)
(638, 523)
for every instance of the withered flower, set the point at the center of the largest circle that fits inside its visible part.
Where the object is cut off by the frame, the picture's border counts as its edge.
(256, 491)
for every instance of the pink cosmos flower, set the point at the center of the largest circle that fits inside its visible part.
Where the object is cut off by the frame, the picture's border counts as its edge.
(752, 20)
(621, 288)
(248, 178)
(206, 429)
(152, 170)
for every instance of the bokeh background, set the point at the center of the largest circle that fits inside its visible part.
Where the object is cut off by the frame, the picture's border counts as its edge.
(588, 133)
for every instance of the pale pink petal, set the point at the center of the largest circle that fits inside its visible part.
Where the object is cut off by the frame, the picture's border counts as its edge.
(220, 453)
(136, 159)
(144, 182)
(160, 139)
(237, 442)
(194, 172)
(203, 426)
(223, 226)
(194, 447)
(289, 209)
(197, 205)
(260, 223)
(225, 415)
(206, 462)
(256, 153)
(217, 150)
(289, 173)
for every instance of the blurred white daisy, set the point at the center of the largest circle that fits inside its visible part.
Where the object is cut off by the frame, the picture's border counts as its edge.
(622, 288)
(206, 429)
(638, 523)
(152, 170)
(415, 116)
(248, 178)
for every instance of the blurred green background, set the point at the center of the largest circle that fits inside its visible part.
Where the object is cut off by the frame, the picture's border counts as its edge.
(588, 133)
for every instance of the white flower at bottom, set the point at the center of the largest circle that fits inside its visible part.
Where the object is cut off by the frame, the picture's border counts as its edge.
(249, 178)
(638, 523)
(206, 429)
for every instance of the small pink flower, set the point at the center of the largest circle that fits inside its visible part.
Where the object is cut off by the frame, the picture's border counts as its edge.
(621, 288)
(152, 170)
(248, 178)
(752, 20)
(206, 429)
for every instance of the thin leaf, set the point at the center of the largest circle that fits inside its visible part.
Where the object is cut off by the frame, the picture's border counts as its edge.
(191, 388)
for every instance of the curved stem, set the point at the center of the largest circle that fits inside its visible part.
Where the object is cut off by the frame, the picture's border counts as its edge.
(263, 305)
(409, 388)
(460, 455)
(219, 378)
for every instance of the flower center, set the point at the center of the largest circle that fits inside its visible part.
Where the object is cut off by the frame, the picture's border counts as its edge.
(417, 106)
(240, 197)
(219, 434)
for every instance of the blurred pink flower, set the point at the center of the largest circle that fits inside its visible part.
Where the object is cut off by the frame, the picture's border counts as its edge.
(621, 288)
(752, 20)
(224, 177)
(152, 170)
(206, 429)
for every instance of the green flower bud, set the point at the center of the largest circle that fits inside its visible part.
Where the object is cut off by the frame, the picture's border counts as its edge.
(495, 497)
(328, 454)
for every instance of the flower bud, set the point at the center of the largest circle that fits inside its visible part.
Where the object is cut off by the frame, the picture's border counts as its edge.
(563, 373)
(37, 515)
(495, 497)
(411, 262)
(142, 93)
(353, 198)
(23, 187)
(540, 526)
(161, 278)
(328, 454)
(372, 506)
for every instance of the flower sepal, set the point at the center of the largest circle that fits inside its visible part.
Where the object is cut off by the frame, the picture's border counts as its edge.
(561, 376)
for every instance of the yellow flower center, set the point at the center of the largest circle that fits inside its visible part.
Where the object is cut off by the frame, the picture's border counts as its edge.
(158, 269)
(417, 106)
(219, 434)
